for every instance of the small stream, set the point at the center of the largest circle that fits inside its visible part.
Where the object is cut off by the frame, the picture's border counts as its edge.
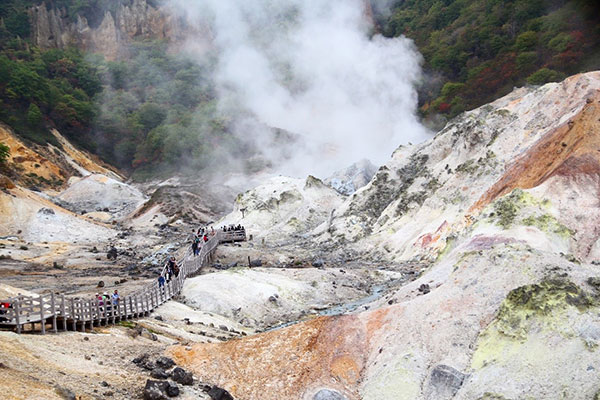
(377, 292)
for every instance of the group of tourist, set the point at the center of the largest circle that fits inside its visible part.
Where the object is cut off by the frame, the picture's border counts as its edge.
(233, 228)
(198, 238)
(108, 300)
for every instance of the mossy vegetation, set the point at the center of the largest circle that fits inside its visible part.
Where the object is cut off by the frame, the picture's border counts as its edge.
(548, 223)
(128, 324)
(527, 302)
(534, 322)
(509, 210)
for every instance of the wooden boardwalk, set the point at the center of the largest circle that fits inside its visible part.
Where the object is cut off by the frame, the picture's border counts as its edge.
(57, 312)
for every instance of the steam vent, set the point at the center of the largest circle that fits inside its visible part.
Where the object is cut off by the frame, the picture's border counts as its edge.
(324, 200)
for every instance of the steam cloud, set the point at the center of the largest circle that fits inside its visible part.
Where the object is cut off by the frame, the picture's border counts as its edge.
(311, 68)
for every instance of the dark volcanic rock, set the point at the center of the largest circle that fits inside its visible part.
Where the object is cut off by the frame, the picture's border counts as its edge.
(180, 375)
(424, 288)
(158, 373)
(155, 390)
(216, 393)
(112, 253)
(164, 362)
(172, 389)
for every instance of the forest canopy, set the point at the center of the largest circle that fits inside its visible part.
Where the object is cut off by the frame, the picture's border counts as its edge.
(478, 50)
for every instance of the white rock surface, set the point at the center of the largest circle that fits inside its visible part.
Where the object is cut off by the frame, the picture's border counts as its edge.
(96, 192)
(283, 207)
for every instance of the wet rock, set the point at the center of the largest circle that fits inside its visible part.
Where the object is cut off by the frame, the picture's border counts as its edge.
(181, 376)
(232, 265)
(46, 211)
(318, 263)
(104, 384)
(155, 390)
(216, 393)
(94, 249)
(223, 328)
(444, 382)
(158, 318)
(164, 362)
(158, 373)
(328, 394)
(256, 263)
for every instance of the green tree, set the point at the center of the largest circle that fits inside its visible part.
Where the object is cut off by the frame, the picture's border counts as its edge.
(34, 116)
(151, 115)
(526, 41)
(4, 153)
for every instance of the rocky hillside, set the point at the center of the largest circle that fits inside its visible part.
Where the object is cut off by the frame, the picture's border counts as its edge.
(502, 205)
(54, 28)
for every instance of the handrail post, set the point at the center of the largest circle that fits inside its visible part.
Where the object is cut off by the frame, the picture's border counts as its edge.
(151, 293)
(17, 309)
(82, 304)
(98, 314)
(53, 307)
(42, 321)
(62, 311)
(73, 316)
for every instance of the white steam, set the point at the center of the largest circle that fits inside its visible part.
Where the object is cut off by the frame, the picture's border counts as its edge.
(311, 68)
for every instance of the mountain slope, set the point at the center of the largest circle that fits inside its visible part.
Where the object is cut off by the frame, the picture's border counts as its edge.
(511, 294)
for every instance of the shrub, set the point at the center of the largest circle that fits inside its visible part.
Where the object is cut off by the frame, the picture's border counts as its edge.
(544, 75)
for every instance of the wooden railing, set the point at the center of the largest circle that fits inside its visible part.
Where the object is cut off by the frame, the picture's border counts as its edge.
(66, 313)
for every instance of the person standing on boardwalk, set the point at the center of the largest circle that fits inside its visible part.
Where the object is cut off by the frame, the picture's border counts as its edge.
(116, 298)
(171, 264)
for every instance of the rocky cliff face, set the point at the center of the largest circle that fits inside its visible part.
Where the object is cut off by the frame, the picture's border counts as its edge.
(503, 205)
(51, 28)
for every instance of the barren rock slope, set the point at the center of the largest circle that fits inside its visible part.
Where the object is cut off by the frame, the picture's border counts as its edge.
(504, 205)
